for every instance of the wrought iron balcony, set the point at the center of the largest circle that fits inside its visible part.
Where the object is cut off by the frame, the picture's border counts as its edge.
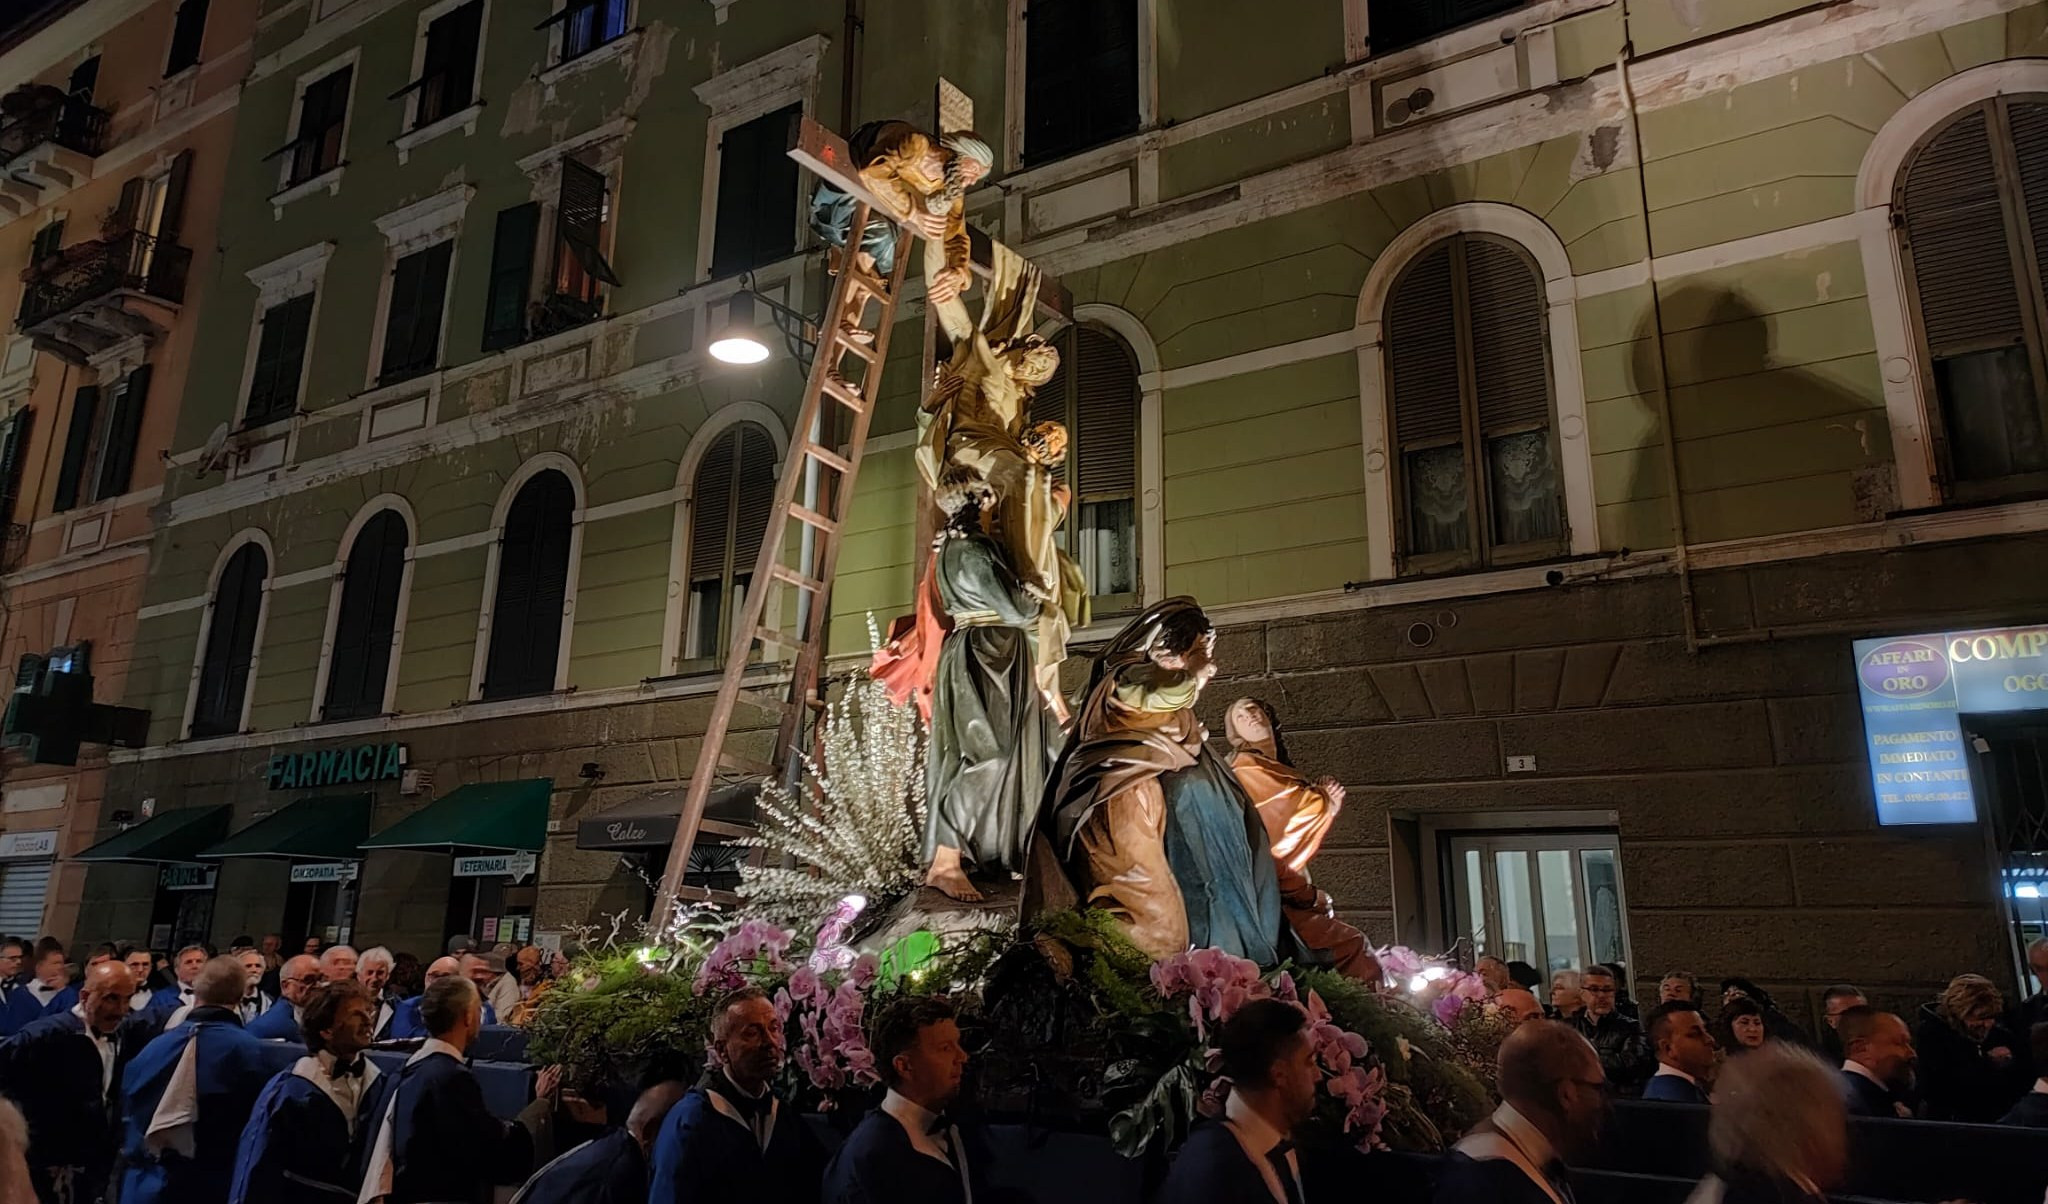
(96, 270)
(69, 123)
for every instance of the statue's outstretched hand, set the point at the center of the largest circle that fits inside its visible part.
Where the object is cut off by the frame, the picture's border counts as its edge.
(947, 284)
(931, 225)
(1332, 790)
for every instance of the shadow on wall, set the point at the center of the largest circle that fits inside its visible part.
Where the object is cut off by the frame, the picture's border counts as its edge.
(1763, 447)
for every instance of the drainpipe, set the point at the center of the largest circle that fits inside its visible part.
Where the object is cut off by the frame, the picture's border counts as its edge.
(1688, 608)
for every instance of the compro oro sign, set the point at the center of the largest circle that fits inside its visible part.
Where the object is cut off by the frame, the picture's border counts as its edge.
(1915, 691)
(496, 865)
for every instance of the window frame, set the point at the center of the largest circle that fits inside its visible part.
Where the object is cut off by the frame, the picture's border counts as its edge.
(337, 591)
(172, 67)
(776, 80)
(413, 130)
(1119, 604)
(740, 561)
(2028, 276)
(1014, 85)
(1482, 552)
(723, 419)
(407, 230)
(283, 279)
(234, 546)
(487, 602)
(287, 187)
(557, 25)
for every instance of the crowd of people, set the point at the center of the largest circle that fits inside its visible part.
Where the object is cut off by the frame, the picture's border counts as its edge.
(1964, 1056)
(145, 1080)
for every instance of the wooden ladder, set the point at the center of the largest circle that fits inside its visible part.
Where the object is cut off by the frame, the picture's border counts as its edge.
(815, 491)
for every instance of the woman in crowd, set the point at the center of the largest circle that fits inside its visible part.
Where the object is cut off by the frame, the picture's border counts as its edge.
(1741, 1026)
(1969, 1064)
(1565, 1000)
(1776, 1023)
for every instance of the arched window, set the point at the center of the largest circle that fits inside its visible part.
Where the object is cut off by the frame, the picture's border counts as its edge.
(533, 585)
(1972, 210)
(730, 500)
(230, 644)
(1474, 443)
(1095, 395)
(360, 666)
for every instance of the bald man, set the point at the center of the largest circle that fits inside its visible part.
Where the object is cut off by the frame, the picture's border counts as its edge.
(405, 1019)
(1554, 1097)
(64, 1071)
(613, 1168)
(297, 980)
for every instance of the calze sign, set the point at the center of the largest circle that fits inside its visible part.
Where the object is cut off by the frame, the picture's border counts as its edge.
(1915, 691)
(337, 767)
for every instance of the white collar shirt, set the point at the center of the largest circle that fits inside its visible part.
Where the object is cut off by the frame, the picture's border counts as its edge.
(1259, 1139)
(917, 1121)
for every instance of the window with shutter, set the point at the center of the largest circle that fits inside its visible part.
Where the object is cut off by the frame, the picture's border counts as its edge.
(532, 588)
(580, 213)
(588, 24)
(730, 502)
(230, 644)
(1080, 75)
(757, 194)
(85, 406)
(511, 276)
(1972, 210)
(187, 32)
(124, 428)
(359, 666)
(13, 460)
(48, 241)
(1469, 383)
(1398, 23)
(412, 322)
(1095, 396)
(447, 82)
(323, 109)
(280, 359)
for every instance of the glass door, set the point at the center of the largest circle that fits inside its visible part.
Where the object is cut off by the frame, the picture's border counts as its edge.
(1554, 901)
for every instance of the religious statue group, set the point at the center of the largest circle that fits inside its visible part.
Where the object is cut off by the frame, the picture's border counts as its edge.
(1122, 799)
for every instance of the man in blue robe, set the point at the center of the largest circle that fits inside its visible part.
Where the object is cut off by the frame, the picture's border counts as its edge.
(281, 1023)
(911, 1150)
(730, 1138)
(611, 1169)
(179, 994)
(63, 1071)
(406, 1024)
(436, 1141)
(49, 993)
(187, 1096)
(303, 1141)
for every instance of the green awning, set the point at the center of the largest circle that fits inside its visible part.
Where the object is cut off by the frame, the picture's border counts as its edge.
(172, 836)
(329, 828)
(508, 816)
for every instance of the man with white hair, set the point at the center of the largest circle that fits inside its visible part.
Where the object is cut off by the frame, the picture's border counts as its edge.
(1780, 1130)
(179, 994)
(337, 963)
(186, 1097)
(256, 1001)
(297, 980)
(373, 970)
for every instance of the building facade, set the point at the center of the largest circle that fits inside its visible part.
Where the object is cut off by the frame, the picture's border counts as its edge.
(115, 125)
(1543, 398)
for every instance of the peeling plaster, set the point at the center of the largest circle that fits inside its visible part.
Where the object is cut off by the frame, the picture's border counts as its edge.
(1824, 287)
(1602, 149)
(522, 108)
(647, 63)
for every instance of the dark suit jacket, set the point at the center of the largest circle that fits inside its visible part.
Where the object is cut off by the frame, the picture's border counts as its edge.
(1213, 1168)
(610, 1170)
(52, 1070)
(1467, 1180)
(1670, 1089)
(280, 1023)
(1867, 1098)
(445, 1142)
(878, 1164)
(701, 1154)
(2031, 1112)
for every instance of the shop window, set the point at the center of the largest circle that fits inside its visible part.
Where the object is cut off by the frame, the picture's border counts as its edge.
(757, 194)
(188, 30)
(532, 588)
(1476, 459)
(730, 501)
(412, 319)
(1397, 23)
(1095, 396)
(359, 667)
(1080, 75)
(232, 618)
(99, 447)
(448, 60)
(1972, 211)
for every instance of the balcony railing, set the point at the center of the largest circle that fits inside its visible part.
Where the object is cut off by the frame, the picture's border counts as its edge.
(69, 123)
(92, 270)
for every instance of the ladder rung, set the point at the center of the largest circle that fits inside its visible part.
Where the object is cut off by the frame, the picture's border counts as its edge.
(763, 700)
(871, 285)
(863, 351)
(790, 576)
(812, 518)
(829, 458)
(746, 765)
(844, 393)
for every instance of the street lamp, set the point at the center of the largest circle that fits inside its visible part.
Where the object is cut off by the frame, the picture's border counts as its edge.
(739, 341)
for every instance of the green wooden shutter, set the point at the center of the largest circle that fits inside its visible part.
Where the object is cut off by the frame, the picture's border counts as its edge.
(1426, 406)
(124, 428)
(1955, 230)
(412, 326)
(1105, 438)
(511, 275)
(13, 459)
(360, 661)
(230, 644)
(757, 194)
(533, 576)
(187, 33)
(579, 217)
(711, 507)
(280, 356)
(176, 185)
(1080, 75)
(85, 404)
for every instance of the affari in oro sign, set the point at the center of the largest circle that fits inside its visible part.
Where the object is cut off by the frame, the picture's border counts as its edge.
(1915, 691)
(496, 865)
(337, 767)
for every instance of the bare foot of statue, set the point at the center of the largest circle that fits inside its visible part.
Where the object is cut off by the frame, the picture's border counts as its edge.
(948, 878)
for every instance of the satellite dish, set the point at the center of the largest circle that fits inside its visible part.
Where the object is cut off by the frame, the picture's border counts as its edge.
(216, 453)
